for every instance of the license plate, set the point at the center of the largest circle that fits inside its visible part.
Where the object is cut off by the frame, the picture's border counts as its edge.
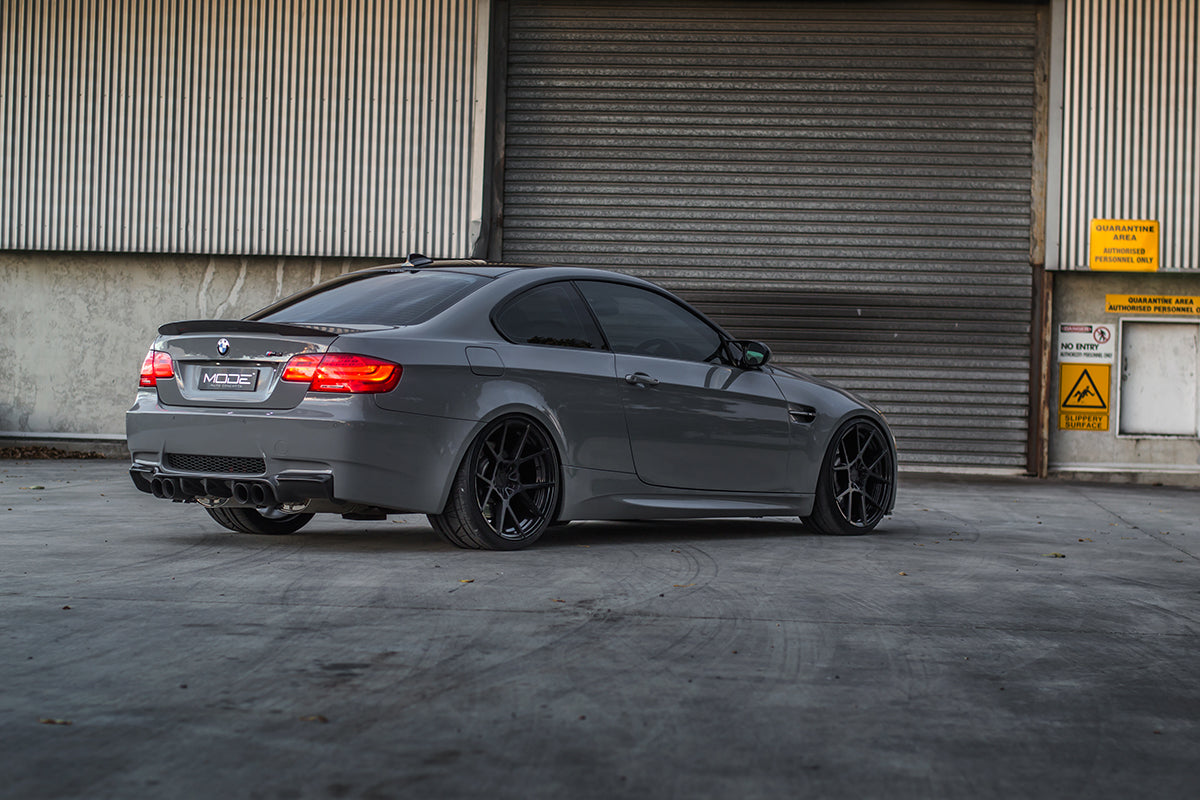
(228, 379)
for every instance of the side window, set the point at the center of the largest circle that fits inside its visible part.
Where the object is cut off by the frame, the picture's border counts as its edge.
(551, 314)
(642, 322)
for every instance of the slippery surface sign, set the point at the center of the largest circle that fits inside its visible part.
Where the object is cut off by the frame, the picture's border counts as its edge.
(1083, 397)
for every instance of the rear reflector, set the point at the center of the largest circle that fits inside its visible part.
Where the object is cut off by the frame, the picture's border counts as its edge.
(157, 365)
(343, 373)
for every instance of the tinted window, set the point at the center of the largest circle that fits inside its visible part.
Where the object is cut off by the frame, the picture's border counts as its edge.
(379, 298)
(642, 322)
(553, 315)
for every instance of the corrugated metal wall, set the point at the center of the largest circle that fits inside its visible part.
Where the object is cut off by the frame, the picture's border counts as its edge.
(849, 181)
(1131, 123)
(305, 127)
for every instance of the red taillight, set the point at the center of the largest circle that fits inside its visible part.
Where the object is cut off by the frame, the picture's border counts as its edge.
(343, 373)
(157, 365)
(301, 368)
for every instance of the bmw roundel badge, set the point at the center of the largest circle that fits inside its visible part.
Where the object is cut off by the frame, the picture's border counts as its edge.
(222, 346)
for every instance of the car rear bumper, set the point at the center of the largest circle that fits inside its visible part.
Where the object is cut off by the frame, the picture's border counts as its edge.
(290, 486)
(343, 449)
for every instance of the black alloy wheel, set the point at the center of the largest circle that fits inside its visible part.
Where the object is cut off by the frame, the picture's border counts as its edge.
(506, 492)
(854, 489)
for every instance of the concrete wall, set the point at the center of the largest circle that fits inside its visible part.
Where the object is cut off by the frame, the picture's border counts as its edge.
(1079, 297)
(76, 327)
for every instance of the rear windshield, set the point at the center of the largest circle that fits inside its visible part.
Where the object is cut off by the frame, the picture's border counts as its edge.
(380, 298)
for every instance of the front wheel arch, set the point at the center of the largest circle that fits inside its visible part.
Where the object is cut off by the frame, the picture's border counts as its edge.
(856, 485)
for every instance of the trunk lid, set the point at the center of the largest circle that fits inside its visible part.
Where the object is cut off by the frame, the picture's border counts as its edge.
(239, 363)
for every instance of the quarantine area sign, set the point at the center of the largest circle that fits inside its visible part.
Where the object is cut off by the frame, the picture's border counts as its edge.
(1152, 304)
(1083, 397)
(1124, 245)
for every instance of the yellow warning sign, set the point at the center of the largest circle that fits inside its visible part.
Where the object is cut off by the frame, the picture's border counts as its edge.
(1151, 304)
(1124, 245)
(1083, 397)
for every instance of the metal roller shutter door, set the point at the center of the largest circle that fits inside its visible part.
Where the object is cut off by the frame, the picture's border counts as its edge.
(849, 182)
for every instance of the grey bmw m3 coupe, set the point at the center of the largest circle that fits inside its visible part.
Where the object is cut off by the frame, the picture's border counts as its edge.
(500, 401)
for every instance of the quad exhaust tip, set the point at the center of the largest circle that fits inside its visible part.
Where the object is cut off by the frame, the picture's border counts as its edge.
(163, 487)
(258, 495)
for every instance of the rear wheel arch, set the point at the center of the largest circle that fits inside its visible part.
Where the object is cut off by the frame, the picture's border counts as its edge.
(535, 412)
(508, 487)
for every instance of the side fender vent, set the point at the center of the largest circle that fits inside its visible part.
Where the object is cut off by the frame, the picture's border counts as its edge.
(802, 415)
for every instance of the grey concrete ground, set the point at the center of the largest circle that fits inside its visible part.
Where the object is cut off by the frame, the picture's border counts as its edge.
(145, 652)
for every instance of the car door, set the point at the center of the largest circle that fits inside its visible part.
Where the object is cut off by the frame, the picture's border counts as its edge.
(557, 351)
(694, 421)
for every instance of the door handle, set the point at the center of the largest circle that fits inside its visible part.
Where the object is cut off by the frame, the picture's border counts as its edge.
(640, 378)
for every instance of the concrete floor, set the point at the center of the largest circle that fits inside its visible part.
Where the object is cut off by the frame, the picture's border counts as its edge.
(146, 652)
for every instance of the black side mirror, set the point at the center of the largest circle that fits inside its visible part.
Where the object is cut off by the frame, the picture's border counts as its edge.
(749, 354)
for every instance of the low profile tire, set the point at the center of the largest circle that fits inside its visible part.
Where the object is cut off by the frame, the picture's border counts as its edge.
(854, 488)
(251, 520)
(506, 491)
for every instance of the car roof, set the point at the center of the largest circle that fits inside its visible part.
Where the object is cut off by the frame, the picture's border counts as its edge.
(494, 269)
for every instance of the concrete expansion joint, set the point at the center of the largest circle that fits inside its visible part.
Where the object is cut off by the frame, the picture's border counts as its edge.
(1160, 537)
